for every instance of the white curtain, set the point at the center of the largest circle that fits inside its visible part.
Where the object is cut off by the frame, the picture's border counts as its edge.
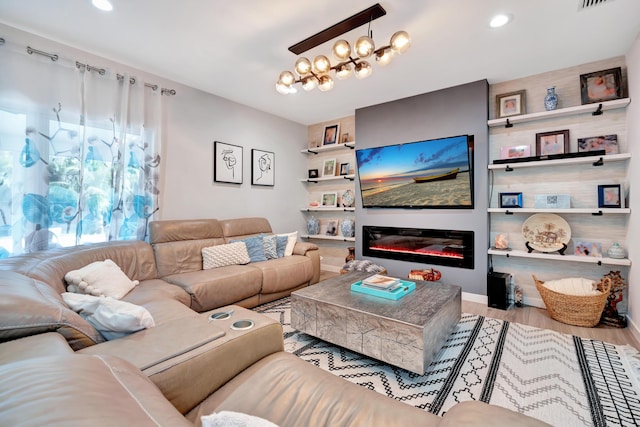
(79, 154)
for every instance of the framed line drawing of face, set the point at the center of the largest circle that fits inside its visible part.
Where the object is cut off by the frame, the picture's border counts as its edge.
(263, 165)
(227, 163)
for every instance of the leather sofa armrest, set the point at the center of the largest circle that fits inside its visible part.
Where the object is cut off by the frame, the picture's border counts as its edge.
(301, 248)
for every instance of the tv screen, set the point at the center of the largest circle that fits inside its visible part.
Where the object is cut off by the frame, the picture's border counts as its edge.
(432, 174)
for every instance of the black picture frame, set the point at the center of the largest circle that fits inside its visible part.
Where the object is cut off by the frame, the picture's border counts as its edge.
(600, 86)
(554, 142)
(331, 134)
(227, 163)
(313, 174)
(263, 167)
(344, 169)
(510, 200)
(609, 196)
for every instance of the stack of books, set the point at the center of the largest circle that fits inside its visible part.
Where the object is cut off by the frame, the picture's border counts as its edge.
(382, 283)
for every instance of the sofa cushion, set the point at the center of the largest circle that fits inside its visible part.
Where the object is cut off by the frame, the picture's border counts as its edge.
(111, 317)
(30, 307)
(255, 248)
(285, 273)
(223, 255)
(79, 390)
(101, 279)
(214, 288)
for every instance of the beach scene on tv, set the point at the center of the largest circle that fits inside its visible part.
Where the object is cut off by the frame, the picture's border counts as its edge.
(423, 174)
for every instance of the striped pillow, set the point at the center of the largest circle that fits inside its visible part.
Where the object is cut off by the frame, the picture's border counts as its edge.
(223, 255)
(270, 247)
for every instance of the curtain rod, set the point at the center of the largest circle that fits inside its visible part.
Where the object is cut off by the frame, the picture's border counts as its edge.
(54, 57)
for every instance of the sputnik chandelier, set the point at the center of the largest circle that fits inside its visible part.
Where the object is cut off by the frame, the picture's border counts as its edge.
(317, 73)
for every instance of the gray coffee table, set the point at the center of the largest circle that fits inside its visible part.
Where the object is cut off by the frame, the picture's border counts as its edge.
(406, 333)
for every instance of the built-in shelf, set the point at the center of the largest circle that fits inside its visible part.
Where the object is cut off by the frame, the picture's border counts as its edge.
(316, 150)
(320, 209)
(556, 162)
(592, 211)
(350, 177)
(323, 237)
(561, 258)
(570, 111)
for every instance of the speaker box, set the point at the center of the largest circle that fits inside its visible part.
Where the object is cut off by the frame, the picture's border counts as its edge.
(498, 288)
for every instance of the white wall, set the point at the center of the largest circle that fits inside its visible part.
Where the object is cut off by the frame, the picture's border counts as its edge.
(192, 121)
(633, 134)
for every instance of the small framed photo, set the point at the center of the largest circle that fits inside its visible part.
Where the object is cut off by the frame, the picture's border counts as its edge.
(227, 163)
(593, 249)
(510, 200)
(515, 151)
(313, 173)
(555, 142)
(510, 104)
(344, 168)
(601, 86)
(608, 143)
(344, 138)
(329, 168)
(263, 165)
(331, 134)
(332, 227)
(609, 196)
(329, 199)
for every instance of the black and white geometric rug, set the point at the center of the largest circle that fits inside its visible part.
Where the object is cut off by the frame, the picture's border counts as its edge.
(560, 379)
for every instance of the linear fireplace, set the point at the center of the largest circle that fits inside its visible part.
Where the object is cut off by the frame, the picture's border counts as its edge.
(452, 248)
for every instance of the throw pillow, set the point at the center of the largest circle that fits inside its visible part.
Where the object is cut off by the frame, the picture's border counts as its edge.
(281, 245)
(234, 419)
(255, 248)
(111, 317)
(100, 278)
(292, 238)
(270, 246)
(223, 255)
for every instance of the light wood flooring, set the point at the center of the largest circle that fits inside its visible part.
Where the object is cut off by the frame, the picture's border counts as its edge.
(539, 318)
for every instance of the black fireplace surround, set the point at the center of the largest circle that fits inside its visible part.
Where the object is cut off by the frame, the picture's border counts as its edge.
(453, 248)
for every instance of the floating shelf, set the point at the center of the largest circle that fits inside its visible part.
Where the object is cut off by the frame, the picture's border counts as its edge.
(562, 258)
(555, 162)
(570, 111)
(320, 209)
(350, 177)
(593, 211)
(322, 237)
(316, 150)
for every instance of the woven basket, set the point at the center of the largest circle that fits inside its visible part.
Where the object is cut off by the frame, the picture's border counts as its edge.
(572, 309)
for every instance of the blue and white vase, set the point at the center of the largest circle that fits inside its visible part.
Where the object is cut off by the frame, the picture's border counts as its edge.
(551, 100)
(313, 225)
(348, 227)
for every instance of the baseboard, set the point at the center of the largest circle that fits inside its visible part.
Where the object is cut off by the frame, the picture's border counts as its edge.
(482, 299)
(633, 327)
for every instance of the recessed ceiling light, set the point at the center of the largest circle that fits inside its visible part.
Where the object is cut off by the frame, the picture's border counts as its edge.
(103, 5)
(499, 20)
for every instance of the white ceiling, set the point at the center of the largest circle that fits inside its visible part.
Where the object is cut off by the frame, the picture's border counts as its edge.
(237, 49)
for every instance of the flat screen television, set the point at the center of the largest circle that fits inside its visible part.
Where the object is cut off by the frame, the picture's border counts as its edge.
(431, 174)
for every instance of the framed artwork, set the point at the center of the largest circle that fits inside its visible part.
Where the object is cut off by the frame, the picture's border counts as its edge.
(331, 133)
(588, 249)
(609, 196)
(601, 86)
(329, 167)
(556, 142)
(608, 143)
(344, 138)
(515, 151)
(329, 199)
(344, 168)
(510, 200)
(510, 104)
(313, 173)
(263, 165)
(227, 163)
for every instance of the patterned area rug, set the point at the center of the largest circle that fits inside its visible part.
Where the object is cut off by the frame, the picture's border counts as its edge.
(560, 379)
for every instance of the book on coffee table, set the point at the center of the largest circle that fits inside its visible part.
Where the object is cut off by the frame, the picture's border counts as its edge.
(379, 281)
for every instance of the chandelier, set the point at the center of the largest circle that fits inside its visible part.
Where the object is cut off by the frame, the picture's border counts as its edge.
(348, 61)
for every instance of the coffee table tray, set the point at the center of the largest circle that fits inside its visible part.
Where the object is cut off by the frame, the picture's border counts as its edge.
(406, 288)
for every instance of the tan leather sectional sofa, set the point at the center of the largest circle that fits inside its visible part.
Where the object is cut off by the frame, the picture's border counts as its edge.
(57, 370)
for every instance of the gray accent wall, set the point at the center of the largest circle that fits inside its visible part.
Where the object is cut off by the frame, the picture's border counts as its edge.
(454, 111)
